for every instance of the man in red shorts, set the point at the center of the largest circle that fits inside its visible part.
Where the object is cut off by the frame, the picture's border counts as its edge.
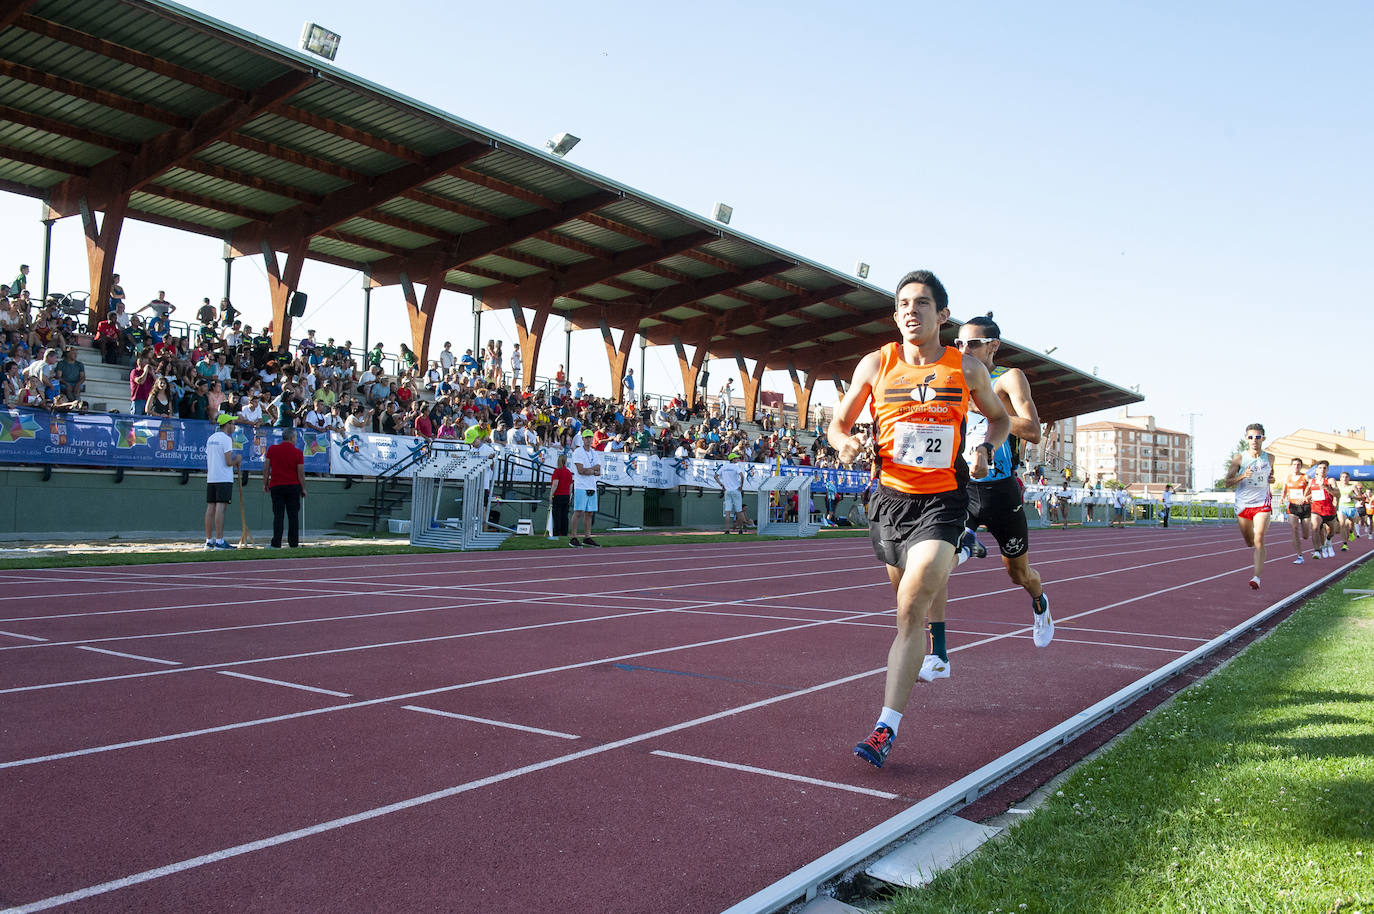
(1252, 473)
(1325, 520)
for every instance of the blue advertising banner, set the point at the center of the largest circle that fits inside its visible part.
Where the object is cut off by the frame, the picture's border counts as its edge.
(136, 442)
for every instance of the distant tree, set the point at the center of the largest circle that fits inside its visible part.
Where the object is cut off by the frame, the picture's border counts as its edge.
(1113, 484)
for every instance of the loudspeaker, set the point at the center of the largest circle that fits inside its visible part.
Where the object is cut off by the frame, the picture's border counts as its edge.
(701, 382)
(296, 307)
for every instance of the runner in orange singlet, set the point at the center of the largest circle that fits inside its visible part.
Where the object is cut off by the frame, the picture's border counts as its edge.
(920, 392)
(1299, 506)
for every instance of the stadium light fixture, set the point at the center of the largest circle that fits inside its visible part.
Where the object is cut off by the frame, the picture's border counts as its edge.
(562, 144)
(319, 40)
(722, 213)
(1051, 350)
(861, 268)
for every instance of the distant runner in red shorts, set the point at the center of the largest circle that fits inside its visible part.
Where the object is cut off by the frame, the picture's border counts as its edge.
(1252, 474)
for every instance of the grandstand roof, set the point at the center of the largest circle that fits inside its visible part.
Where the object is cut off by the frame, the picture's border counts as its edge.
(219, 132)
(1312, 446)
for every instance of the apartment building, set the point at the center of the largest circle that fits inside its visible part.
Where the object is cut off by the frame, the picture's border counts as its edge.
(1135, 451)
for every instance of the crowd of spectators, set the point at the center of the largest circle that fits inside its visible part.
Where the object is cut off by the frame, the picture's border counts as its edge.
(217, 363)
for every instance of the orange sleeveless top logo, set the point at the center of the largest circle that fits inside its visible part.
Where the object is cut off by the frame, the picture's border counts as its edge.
(919, 412)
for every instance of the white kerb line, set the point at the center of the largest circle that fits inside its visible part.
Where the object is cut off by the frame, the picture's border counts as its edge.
(101, 650)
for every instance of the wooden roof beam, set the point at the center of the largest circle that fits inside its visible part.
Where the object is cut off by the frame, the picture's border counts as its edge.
(119, 52)
(38, 160)
(119, 176)
(234, 176)
(458, 208)
(348, 132)
(348, 203)
(295, 157)
(505, 187)
(64, 86)
(70, 131)
(593, 272)
(475, 245)
(219, 206)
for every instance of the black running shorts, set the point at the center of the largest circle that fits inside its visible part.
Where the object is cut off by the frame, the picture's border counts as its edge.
(998, 506)
(897, 521)
(1301, 512)
(219, 493)
(1327, 519)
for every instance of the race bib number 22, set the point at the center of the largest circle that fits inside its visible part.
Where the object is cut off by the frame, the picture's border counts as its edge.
(929, 447)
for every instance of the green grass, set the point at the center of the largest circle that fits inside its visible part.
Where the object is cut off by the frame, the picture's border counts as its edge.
(1252, 791)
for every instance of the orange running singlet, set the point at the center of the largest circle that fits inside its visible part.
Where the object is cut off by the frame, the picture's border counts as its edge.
(1295, 488)
(919, 411)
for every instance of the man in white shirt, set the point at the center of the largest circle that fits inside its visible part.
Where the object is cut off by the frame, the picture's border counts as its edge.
(317, 419)
(586, 467)
(250, 412)
(732, 481)
(447, 358)
(220, 462)
(522, 435)
(1168, 499)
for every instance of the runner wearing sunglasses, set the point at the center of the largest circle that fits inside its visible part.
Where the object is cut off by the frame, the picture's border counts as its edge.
(1252, 474)
(995, 500)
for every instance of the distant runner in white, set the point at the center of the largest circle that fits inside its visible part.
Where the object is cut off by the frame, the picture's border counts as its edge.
(1252, 473)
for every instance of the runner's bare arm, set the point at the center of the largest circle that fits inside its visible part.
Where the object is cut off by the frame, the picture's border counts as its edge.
(1233, 474)
(1025, 419)
(990, 405)
(848, 409)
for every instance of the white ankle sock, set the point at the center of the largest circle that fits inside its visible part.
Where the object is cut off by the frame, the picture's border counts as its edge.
(890, 718)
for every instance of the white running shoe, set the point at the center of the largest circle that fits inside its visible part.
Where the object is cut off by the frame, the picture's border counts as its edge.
(1042, 630)
(1254, 583)
(1330, 552)
(1298, 560)
(933, 668)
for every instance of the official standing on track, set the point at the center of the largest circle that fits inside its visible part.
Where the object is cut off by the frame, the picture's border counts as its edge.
(283, 478)
(920, 392)
(560, 496)
(732, 482)
(586, 471)
(220, 463)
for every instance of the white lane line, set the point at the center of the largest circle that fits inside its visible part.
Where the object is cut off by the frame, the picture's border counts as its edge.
(783, 775)
(289, 685)
(101, 650)
(25, 637)
(486, 720)
(365, 815)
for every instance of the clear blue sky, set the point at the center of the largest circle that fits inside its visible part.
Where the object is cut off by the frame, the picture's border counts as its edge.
(1177, 194)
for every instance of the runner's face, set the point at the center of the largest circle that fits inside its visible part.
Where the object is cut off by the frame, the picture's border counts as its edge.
(916, 315)
(973, 342)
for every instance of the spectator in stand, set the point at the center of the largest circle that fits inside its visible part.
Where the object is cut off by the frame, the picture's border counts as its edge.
(71, 374)
(117, 294)
(9, 318)
(32, 394)
(560, 496)
(140, 384)
(160, 306)
(227, 313)
(195, 403)
(628, 386)
(21, 282)
(13, 383)
(283, 479)
(45, 331)
(137, 340)
(317, 417)
(261, 344)
(214, 398)
(206, 313)
(307, 345)
(161, 401)
(468, 362)
(359, 420)
(250, 410)
(447, 430)
(516, 365)
(447, 359)
(424, 428)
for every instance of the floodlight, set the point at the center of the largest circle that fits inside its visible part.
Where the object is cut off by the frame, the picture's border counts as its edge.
(862, 269)
(562, 144)
(317, 39)
(723, 213)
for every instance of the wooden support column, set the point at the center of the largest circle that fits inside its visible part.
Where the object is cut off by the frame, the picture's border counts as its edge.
(540, 297)
(421, 313)
(803, 394)
(281, 283)
(690, 368)
(102, 242)
(617, 354)
(751, 386)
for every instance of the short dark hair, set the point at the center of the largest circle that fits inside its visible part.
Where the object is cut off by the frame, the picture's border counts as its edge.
(987, 323)
(1256, 427)
(930, 281)
(1323, 463)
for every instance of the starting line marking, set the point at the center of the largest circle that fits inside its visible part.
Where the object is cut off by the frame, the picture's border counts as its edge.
(289, 685)
(25, 637)
(101, 650)
(486, 720)
(786, 776)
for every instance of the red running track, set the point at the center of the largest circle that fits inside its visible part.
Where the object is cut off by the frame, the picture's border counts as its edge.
(637, 730)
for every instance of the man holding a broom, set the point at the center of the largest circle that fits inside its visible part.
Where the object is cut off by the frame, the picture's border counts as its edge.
(220, 464)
